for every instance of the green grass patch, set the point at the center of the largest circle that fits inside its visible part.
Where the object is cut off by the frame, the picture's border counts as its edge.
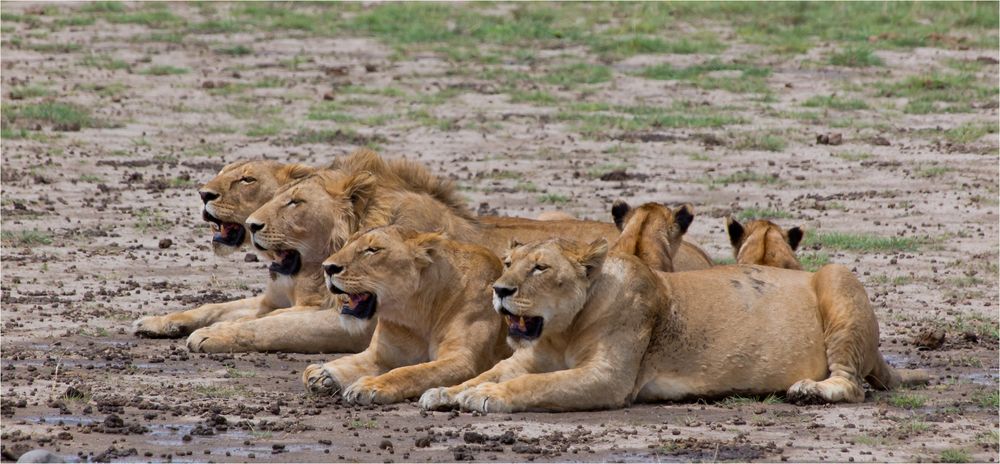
(154, 18)
(579, 73)
(28, 91)
(163, 70)
(989, 400)
(853, 155)
(616, 46)
(925, 93)
(27, 237)
(553, 198)
(932, 172)
(146, 219)
(216, 26)
(55, 47)
(102, 7)
(742, 177)
(761, 142)
(762, 213)
(970, 132)
(593, 119)
(751, 79)
(102, 61)
(738, 400)
(907, 400)
(863, 242)
(61, 115)
(535, 97)
(856, 57)
(835, 102)
(955, 455)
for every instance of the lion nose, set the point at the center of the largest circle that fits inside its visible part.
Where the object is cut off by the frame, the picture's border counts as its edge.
(207, 196)
(504, 292)
(255, 226)
(332, 269)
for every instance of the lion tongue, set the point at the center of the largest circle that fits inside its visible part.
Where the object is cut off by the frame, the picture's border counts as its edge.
(358, 299)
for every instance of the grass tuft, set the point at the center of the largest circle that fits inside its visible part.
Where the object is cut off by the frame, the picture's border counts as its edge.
(856, 57)
(863, 242)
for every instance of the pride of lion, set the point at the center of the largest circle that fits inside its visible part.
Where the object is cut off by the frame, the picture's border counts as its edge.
(381, 260)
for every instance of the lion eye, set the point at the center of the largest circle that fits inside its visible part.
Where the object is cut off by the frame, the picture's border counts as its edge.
(372, 250)
(540, 268)
(294, 202)
(248, 180)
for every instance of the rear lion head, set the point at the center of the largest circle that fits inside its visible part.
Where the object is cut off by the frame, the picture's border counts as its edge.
(763, 242)
(544, 286)
(379, 270)
(652, 232)
(308, 220)
(237, 191)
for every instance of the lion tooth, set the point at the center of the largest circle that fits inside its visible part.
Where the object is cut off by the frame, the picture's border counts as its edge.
(520, 324)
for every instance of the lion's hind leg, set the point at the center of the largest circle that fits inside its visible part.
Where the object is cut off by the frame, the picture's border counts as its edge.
(850, 333)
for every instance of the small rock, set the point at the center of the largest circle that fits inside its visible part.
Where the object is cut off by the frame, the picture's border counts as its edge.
(250, 258)
(833, 138)
(385, 444)
(166, 243)
(423, 442)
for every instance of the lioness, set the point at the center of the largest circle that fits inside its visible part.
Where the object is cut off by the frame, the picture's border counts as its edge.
(431, 298)
(658, 248)
(812, 335)
(763, 242)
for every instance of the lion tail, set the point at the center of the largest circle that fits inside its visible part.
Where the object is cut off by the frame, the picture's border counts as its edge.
(886, 377)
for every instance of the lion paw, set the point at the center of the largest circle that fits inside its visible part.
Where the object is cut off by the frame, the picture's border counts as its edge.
(218, 338)
(160, 327)
(438, 398)
(369, 390)
(487, 397)
(805, 392)
(319, 381)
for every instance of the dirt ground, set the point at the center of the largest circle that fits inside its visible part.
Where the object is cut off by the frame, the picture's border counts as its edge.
(114, 114)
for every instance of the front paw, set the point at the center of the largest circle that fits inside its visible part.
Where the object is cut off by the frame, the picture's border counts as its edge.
(487, 397)
(319, 381)
(370, 390)
(221, 337)
(161, 327)
(438, 398)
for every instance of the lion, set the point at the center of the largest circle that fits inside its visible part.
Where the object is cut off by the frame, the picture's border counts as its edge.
(435, 322)
(657, 249)
(763, 242)
(811, 335)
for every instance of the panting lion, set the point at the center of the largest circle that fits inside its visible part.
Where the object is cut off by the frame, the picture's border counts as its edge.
(605, 331)
(763, 242)
(436, 325)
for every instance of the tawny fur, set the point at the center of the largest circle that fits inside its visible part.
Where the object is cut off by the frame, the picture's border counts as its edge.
(436, 326)
(618, 332)
(765, 243)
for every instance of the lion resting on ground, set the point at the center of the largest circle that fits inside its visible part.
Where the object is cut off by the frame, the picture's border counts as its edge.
(436, 325)
(763, 242)
(608, 330)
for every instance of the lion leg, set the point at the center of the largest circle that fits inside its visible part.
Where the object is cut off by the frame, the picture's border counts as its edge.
(181, 323)
(445, 397)
(566, 390)
(851, 335)
(302, 329)
(332, 377)
(410, 381)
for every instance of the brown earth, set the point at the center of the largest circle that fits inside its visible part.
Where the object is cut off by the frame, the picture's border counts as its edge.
(85, 212)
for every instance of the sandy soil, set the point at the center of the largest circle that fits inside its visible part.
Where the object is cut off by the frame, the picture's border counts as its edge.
(104, 199)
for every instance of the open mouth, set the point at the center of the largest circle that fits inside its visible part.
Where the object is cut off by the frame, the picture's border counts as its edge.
(226, 233)
(523, 327)
(288, 262)
(359, 305)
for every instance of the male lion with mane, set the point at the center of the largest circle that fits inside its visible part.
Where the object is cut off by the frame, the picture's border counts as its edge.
(430, 296)
(606, 330)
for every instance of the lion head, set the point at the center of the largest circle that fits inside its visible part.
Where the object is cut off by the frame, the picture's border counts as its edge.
(544, 285)
(308, 220)
(237, 191)
(379, 267)
(763, 242)
(652, 232)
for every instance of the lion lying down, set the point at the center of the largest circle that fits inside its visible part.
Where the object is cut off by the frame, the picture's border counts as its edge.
(435, 326)
(606, 330)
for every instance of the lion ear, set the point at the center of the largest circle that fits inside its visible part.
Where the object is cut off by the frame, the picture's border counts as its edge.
(683, 217)
(735, 230)
(424, 245)
(513, 243)
(593, 255)
(618, 211)
(795, 235)
(294, 171)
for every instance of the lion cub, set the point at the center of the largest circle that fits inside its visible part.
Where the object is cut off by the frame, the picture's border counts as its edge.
(763, 242)
(431, 299)
(603, 330)
(658, 250)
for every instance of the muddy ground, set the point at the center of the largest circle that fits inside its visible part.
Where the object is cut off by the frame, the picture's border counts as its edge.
(113, 114)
